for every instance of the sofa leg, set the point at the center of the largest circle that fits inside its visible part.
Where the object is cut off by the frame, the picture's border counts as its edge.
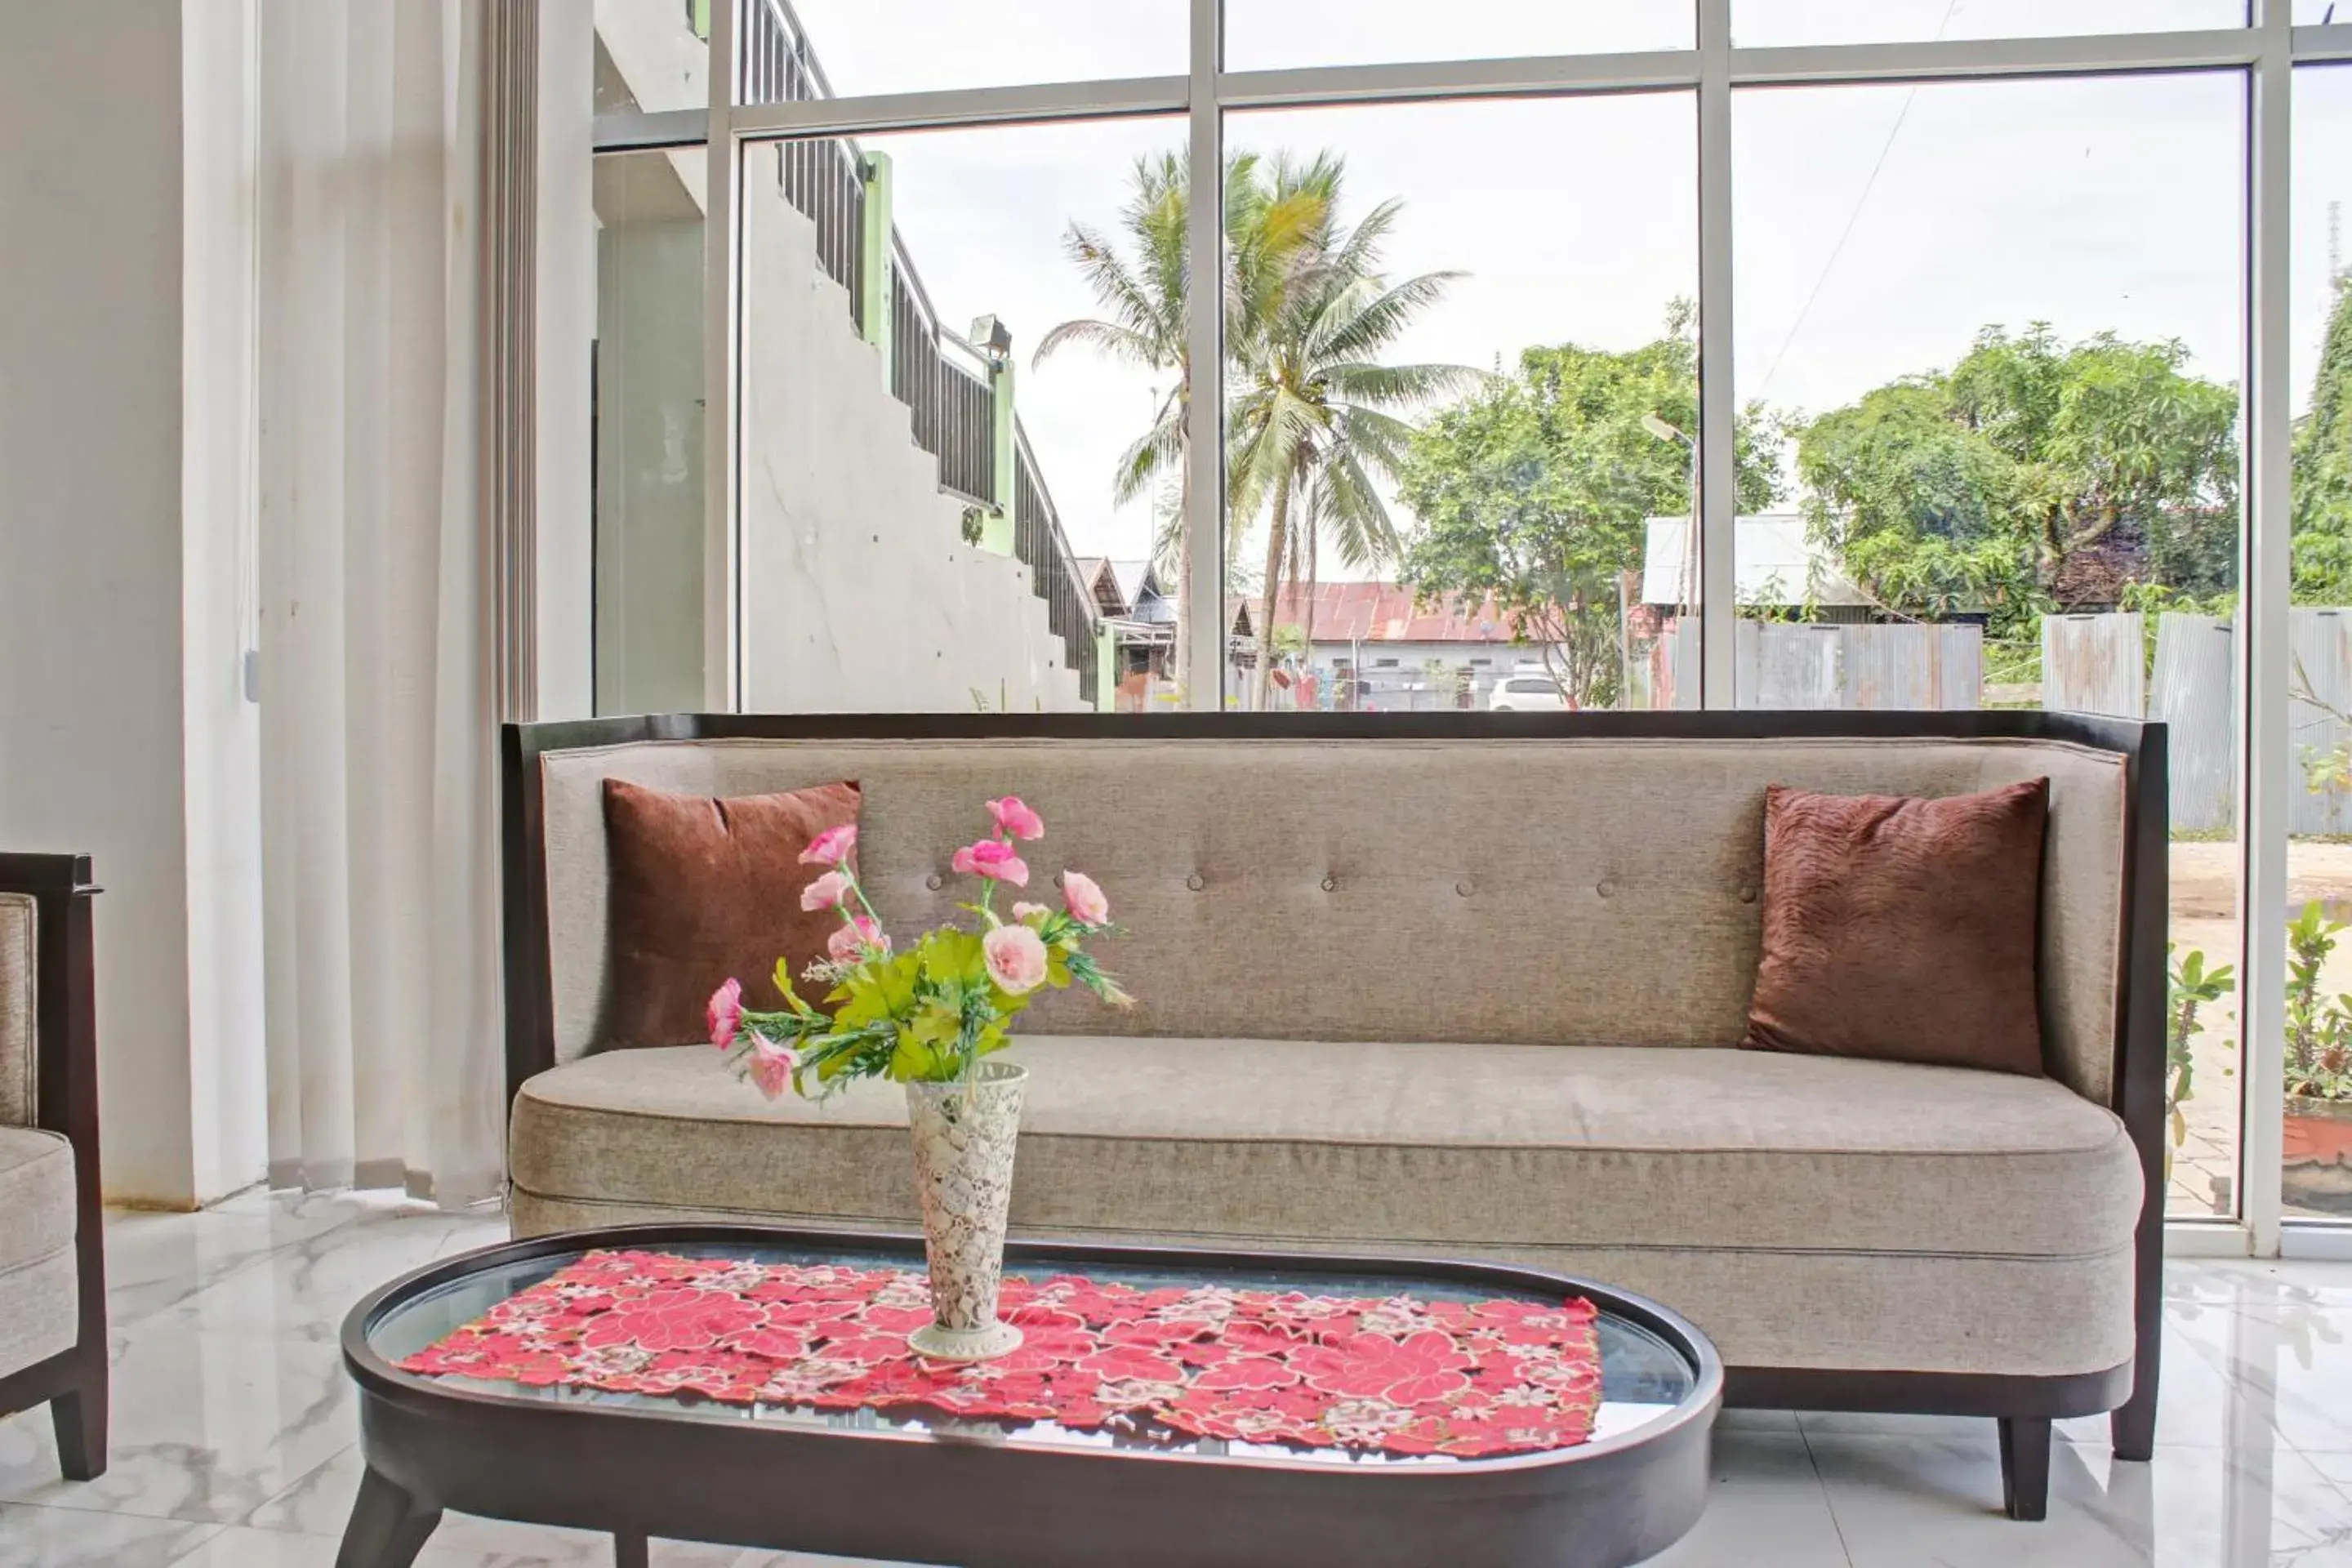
(2025, 1466)
(2132, 1425)
(80, 1421)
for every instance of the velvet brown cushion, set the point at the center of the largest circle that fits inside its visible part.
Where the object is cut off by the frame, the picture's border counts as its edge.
(1901, 929)
(703, 890)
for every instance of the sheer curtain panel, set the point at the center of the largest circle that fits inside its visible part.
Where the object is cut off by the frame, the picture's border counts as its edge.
(379, 580)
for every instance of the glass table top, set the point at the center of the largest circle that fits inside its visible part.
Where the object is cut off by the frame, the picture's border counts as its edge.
(1644, 1375)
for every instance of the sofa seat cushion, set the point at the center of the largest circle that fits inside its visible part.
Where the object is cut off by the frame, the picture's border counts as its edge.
(1477, 1149)
(36, 1195)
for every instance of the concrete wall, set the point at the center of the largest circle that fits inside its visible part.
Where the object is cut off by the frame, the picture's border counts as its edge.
(860, 594)
(91, 699)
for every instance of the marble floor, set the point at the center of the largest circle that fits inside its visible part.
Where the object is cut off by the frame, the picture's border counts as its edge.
(234, 1432)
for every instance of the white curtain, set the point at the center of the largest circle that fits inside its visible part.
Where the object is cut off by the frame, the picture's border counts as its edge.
(377, 631)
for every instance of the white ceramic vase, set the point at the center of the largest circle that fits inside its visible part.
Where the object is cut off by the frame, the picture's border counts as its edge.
(965, 1134)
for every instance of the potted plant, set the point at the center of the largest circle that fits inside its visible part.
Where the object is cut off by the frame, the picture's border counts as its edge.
(931, 1018)
(2317, 1146)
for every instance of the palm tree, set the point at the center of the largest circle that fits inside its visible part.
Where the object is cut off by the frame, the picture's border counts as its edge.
(1142, 295)
(1316, 426)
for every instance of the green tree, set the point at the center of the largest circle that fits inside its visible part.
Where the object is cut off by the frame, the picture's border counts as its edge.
(2034, 474)
(1139, 278)
(2323, 467)
(1314, 417)
(1536, 491)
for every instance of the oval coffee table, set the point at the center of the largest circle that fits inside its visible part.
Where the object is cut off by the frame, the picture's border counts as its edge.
(912, 1486)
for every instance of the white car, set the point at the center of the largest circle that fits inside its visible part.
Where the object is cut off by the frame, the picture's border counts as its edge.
(1527, 694)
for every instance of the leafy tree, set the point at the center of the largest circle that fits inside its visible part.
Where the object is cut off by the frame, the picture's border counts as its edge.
(1139, 278)
(2032, 474)
(1315, 415)
(1536, 491)
(2323, 467)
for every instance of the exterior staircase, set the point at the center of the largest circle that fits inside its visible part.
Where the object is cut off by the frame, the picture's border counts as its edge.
(862, 591)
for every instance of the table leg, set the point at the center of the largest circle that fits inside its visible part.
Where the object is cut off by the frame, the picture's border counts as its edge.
(388, 1526)
(630, 1551)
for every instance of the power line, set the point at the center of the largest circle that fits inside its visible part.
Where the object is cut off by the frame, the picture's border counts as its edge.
(1853, 218)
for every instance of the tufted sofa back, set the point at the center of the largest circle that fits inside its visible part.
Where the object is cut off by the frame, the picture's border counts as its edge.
(1585, 891)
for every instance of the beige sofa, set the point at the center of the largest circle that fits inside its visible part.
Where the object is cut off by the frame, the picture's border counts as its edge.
(1463, 985)
(52, 1262)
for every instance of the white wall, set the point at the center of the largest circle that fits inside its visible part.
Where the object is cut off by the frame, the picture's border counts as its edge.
(227, 1110)
(90, 586)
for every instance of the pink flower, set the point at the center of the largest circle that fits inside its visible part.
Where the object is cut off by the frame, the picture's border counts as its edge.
(990, 857)
(826, 892)
(832, 846)
(725, 1013)
(848, 943)
(1016, 959)
(1025, 910)
(1087, 904)
(1014, 817)
(772, 1066)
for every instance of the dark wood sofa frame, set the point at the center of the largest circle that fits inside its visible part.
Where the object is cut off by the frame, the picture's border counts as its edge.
(2024, 1407)
(73, 1382)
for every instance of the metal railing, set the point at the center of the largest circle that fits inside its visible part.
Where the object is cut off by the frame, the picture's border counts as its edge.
(952, 405)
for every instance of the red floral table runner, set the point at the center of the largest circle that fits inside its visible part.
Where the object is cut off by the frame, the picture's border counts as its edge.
(1398, 1376)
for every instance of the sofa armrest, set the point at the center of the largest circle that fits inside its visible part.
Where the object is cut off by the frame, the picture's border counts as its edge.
(48, 1035)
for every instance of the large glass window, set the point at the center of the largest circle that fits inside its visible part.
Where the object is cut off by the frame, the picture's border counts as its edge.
(1996, 329)
(1461, 404)
(650, 554)
(961, 367)
(1984, 371)
(2318, 1177)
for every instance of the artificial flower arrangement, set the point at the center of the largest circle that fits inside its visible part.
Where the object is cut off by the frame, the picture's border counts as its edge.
(928, 1014)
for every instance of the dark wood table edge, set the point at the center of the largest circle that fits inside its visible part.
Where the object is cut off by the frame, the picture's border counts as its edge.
(401, 1497)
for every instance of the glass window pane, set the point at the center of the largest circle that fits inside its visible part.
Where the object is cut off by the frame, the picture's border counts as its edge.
(1266, 34)
(796, 49)
(1997, 328)
(1459, 394)
(1769, 22)
(936, 511)
(648, 432)
(2317, 1178)
(652, 55)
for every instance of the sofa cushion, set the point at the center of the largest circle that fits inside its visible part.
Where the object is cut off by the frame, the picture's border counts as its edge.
(707, 890)
(1477, 1149)
(36, 1194)
(1901, 929)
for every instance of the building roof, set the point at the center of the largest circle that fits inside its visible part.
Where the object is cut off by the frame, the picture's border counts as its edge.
(1385, 612)
(1776, 562)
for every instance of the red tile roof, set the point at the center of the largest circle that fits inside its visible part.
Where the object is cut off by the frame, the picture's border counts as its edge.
(1385, 612)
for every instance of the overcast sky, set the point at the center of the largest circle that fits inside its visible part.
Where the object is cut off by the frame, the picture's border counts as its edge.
(1876, 228)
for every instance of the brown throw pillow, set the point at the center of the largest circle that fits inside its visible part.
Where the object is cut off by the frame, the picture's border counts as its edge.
(1901, 928)
(702, 890)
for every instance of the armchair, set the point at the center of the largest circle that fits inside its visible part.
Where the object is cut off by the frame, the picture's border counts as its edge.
(52, 1261)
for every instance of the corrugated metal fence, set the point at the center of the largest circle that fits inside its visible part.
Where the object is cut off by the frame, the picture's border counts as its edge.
(2094, 664)
(1783, 664)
